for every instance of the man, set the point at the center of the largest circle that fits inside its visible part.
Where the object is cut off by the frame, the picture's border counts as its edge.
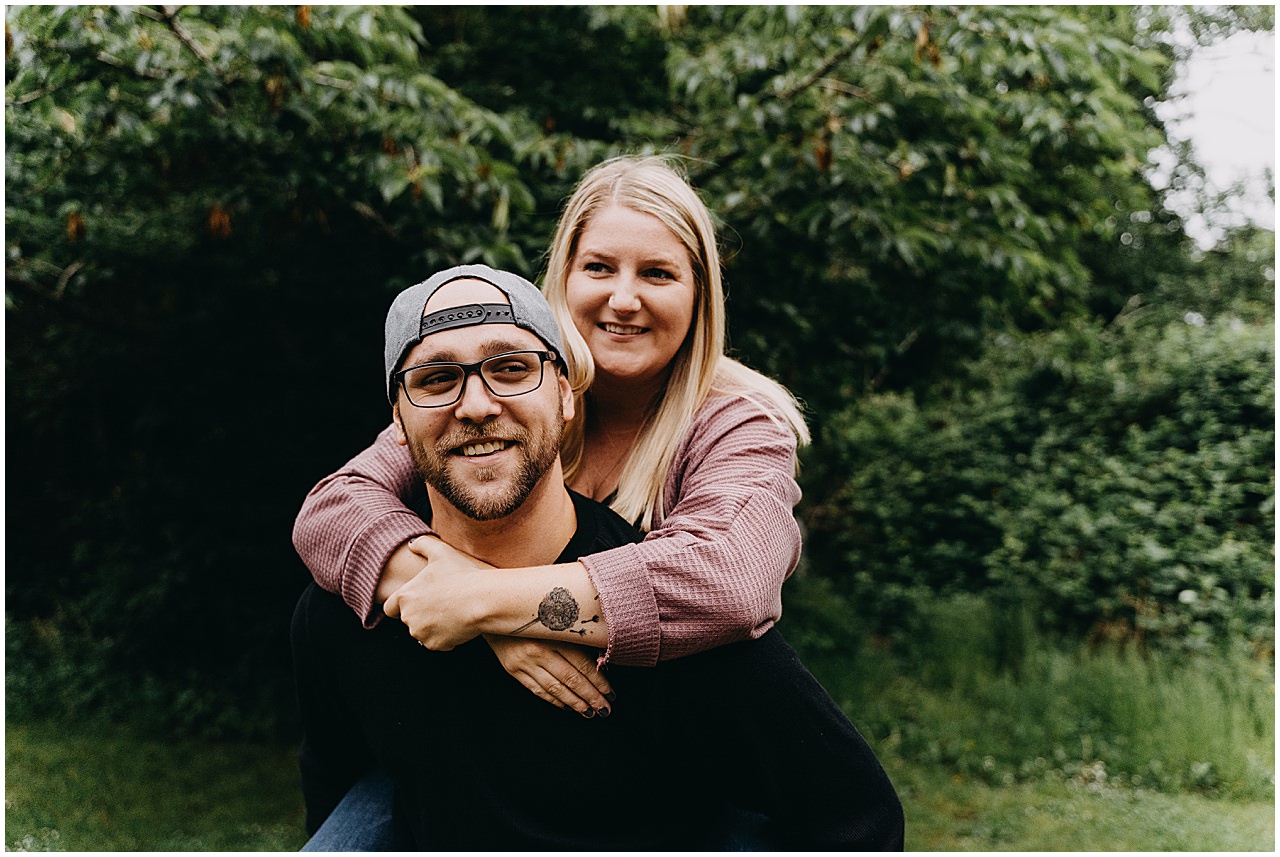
(474, 363)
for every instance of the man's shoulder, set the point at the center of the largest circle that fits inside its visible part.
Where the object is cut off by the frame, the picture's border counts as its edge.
(599, 529)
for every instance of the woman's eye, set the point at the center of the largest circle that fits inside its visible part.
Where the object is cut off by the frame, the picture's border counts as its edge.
(659, 274)
(595, 267)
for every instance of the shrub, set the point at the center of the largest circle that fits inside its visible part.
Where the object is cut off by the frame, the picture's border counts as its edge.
(1120, 482)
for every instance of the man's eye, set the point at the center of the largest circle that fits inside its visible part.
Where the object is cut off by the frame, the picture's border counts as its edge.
(512, 369)
(433, 379)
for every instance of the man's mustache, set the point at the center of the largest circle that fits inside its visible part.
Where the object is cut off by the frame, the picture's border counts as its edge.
(484, 431)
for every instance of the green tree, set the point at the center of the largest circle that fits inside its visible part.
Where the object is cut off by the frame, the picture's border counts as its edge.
(206, 211)
(912, 178)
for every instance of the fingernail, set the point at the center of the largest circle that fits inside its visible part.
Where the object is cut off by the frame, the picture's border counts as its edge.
(611, 696)
(603, 712)
(589, 713)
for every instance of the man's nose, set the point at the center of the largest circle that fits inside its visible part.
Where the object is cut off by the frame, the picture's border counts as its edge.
(476, 404)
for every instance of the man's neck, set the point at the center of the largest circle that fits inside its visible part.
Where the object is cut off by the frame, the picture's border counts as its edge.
(534, 534)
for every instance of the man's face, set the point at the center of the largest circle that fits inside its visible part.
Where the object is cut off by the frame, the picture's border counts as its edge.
(484, 454)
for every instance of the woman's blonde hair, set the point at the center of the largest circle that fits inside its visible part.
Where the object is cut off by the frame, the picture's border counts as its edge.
(653, 185)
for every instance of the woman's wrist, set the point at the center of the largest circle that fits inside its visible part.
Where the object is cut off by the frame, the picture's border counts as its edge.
(553, 602)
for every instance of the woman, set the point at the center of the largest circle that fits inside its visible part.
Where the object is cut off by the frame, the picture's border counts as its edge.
(694, 447)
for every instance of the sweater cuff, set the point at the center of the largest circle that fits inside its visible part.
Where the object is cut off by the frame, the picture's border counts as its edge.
(369, 554)
(629, 604)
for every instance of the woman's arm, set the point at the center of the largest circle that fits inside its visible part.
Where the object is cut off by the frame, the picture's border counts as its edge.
(712, 571)
(456, 598)
(354, 526)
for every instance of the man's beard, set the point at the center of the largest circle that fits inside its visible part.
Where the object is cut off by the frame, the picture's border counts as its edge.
(537, 454)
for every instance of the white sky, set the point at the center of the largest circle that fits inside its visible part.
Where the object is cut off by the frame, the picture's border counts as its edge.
(1228, 111)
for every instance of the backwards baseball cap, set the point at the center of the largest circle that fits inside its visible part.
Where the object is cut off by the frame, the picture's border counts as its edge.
(407, 326)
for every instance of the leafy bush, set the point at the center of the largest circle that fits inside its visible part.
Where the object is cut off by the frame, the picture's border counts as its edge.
(1119, 481)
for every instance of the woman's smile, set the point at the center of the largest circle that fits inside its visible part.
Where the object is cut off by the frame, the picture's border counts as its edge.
(623, 329)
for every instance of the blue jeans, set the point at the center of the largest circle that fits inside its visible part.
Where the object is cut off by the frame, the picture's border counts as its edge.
(362, 822)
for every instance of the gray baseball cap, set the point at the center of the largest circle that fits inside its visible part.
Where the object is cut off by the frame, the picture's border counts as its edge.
(406, 325)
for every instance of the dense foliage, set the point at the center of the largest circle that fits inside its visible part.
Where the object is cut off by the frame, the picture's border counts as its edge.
(931, 217)
(1119, 479)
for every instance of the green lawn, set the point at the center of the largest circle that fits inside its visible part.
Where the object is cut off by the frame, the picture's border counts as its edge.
(98, 790)
(946, 813)
(104, 790)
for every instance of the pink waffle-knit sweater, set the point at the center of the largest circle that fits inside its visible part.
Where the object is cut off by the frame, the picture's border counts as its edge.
(710, 572)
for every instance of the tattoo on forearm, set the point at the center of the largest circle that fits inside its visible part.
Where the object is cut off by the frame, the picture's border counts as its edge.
(558, 611)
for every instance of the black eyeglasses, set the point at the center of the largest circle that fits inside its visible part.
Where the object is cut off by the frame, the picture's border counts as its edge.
(436, 385)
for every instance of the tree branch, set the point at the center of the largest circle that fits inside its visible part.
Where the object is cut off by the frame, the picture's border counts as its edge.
(170, 16)
(65, 277)
(818, 75)
(34, 95)
(821, 72)
(150, 74)
(846, 89)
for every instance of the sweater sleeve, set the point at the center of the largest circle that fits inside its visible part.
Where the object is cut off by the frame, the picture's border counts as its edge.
(712, 571)
(354, 519)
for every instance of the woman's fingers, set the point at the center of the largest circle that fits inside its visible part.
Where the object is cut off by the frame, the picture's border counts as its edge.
(430, 548)
(531, 684)
(585, 666)
(562, 674)
(573, 687)
(557, 690)
(423, 545)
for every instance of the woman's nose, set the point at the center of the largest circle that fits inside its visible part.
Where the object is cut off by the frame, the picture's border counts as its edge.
(624, 298)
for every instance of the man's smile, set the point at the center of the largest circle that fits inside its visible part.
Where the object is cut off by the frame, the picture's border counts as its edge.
(479, 448)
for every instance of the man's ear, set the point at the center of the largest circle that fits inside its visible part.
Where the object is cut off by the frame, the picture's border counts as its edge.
(566, 397)
(401, 437)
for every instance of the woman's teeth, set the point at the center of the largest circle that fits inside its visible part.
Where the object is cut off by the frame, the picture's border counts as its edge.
(624, 329)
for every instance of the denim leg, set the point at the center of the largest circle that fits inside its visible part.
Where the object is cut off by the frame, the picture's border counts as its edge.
(736, 829)
(361, 821)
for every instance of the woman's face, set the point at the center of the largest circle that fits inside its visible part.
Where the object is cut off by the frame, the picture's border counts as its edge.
(631, 293)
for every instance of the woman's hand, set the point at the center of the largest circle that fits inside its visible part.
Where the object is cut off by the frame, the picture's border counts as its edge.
(563, 674)
(436, 604)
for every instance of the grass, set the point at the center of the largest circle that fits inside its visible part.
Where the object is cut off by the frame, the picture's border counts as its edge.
(971, 694)
(948, 812)
(105, 789)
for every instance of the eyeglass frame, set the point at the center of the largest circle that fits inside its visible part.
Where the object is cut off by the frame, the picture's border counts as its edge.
(469, 369)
